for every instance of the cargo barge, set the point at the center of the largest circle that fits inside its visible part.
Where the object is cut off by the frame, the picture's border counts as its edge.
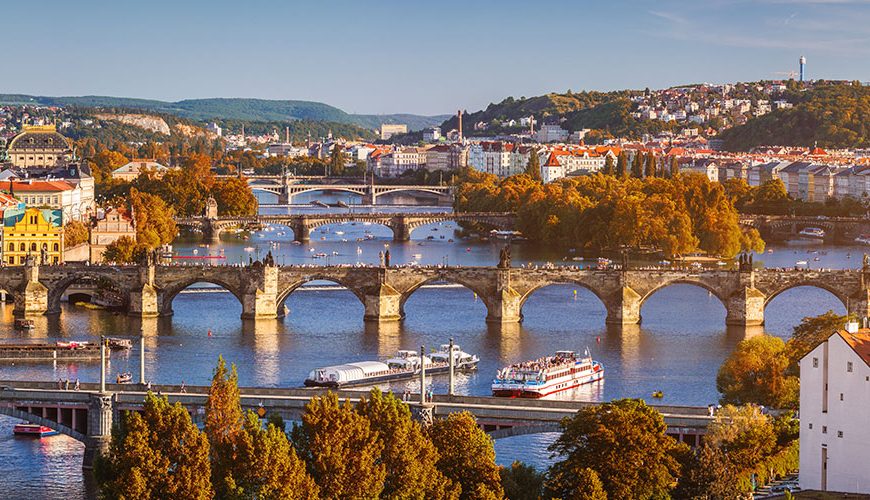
(50, 351)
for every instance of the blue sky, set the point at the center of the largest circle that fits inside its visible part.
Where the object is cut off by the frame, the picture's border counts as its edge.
(418, 57)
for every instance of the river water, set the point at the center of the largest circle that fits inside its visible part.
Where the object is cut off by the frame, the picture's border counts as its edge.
(677, 349)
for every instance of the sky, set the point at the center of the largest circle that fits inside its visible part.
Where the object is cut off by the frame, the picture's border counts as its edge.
(408, 56)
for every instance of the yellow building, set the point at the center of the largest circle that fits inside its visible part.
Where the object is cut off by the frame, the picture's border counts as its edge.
(32, 232)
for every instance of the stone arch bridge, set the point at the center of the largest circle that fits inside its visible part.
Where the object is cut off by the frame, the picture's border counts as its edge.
(778, 227)
(303, 224)
(148, 290)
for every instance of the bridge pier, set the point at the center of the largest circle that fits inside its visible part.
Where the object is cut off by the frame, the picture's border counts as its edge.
(401, 231)
(260, 301)
(100, 417)
(745, 308)
(33, 298)
(624, 308)
(301, 232)
(505, 307)
(383, 305)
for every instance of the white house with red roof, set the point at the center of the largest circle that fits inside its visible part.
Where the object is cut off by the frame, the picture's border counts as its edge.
(835, 413)
(70, 198)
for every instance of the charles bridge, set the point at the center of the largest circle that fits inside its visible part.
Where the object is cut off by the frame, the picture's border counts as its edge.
(87, 414)
(148, 290)
(303, 224)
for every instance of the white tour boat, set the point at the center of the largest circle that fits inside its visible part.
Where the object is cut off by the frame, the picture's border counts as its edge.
(404, 365)
(541, 377)
(863, 239)
(813, 233)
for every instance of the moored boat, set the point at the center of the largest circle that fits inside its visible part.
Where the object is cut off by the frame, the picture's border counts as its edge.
(812, 233)
(33, 430)
(404, 365)
(124, 378)
(24, 324)
(863, 239)
(548, 375)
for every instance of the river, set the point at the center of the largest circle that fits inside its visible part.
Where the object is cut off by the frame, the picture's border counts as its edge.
(677, 349)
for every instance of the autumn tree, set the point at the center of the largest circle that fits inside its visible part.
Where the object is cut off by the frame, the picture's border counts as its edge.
(743, 433)
(157, 453)
(467, 456)
(223, 424)
(268, 466)
(624, 442)
(75, 233)
(104, 163)
(756, 373)
(650, 165)
(583, 483)
(124, 250)
(155, 223)
(340, 448)
(675, 166)
(409, 456)
(234, 197)
(533, 166)
(709, 475)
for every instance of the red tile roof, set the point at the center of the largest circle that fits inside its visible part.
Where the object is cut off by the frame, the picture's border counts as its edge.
(40, 186)
(859, 342)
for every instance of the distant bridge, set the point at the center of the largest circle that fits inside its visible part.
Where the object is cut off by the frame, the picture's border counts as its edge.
(302, 224)
(777, 227)
(87, 415)
(288, 187)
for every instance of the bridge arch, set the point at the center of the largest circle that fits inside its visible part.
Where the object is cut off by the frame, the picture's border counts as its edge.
(170, 291)
(686, 281)
(481, 294)
(597, 293)
(808, 283)
(39, 420)
(414, 189)
(296, 191)
(313, 225)
(284, 294)
(57, 289)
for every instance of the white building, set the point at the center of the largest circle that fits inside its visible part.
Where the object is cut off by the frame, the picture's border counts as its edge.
(432, 134)
(215, 129)
(388, 130)
(552, 133)
(835, 414)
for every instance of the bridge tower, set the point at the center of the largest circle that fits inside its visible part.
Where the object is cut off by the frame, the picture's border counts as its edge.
(32, 298)
(100, 418)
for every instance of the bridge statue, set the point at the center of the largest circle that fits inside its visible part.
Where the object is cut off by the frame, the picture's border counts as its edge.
(269, 260)
(866, 265)
(387, 258)
(504, 257)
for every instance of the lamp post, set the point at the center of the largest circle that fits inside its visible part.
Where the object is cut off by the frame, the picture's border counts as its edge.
(422, 376)
(142, 361)
(102, 364)
(451, 364)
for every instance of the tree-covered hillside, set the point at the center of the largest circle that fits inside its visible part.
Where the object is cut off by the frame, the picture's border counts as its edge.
(231, 109)
(831, 116)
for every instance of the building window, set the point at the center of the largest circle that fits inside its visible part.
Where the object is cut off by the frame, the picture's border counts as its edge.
(815, 362)
(824, 429)
(841, 396)
(12, 247)
(22, 247)
(839, 434)
(849, 366)
(33, 247)
(56, 247)
(811, 425)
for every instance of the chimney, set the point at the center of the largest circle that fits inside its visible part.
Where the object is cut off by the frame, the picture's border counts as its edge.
(459, 116)
(287, 134)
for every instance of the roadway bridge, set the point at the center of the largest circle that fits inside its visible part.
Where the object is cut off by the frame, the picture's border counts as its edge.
(148, 290)
(288, 187)
(303, 224)
(780, 227)
(87, 415)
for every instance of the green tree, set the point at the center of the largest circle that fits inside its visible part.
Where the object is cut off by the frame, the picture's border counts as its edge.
(624, 442)
(650, 165)
(609, 166)
(621, 165)
(637, 165)
(709, 475)
(811, 332)
(340, 448)
(533, 167)
(336, 160)
(583, 483)
(743, 433)
(466, 456)
(75, 233)
(157, 453)
(756, 373)
(223, 424)
(675, 166)
(408, 455)
(268, 466)
(521, 482)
